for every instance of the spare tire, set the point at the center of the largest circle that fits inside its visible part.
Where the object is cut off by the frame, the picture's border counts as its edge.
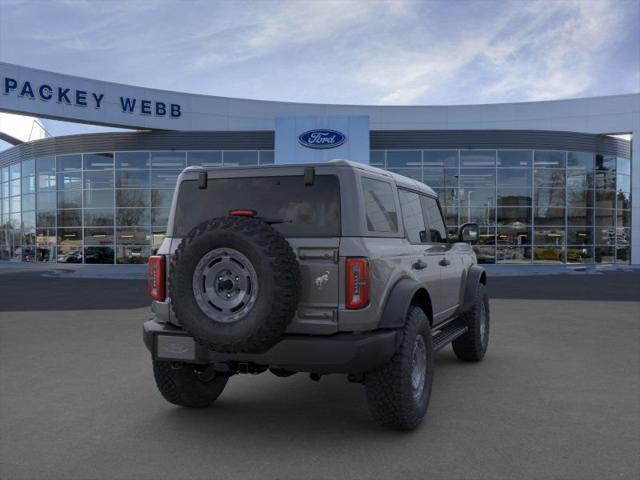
(234, 284)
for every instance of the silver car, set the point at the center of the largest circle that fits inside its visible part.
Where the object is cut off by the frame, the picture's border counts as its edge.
(324, 268)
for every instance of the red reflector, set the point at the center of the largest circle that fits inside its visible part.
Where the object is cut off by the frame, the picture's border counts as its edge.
(357, 283)
(156, 281)
(243, 213)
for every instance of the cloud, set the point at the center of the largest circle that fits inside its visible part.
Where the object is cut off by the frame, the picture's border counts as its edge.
(338, 51)
(293, 24)
(533, 51)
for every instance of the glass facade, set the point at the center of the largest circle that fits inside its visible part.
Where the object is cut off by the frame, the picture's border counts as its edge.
(105, 207)
(533, 206)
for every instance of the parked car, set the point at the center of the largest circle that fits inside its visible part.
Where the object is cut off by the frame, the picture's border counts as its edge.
(325, 268)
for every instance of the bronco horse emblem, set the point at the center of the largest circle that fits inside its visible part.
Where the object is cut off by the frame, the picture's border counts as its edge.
(322, 279)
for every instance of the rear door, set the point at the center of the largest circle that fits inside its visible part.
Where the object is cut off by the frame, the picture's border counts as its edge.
(451, 265)
(425, 256)
(306, 213)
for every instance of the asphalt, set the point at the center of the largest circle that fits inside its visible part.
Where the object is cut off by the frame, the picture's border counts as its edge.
(557, 397)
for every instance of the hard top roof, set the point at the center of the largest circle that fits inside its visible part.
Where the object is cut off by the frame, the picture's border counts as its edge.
(400, 180)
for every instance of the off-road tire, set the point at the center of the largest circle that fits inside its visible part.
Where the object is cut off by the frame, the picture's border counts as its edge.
(180, 384)
(278, 276)
(389, 391)
(472, 346)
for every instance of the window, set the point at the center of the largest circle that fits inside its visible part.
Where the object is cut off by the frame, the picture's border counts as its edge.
(582, 160)
(232, 159)
(267, 157)
(514, 158)
(440, 158)
(132, 160)
(477, 158)
(69, 180)
(514, 176)
(376, 158)
(205, 159)
(549, 159)
(132, 179)
(412, 216)
(168, 159)
(164, 178)
(132, 198)
(433, 218)
(98, 179)
(161, 198)
(69, 162)
(379, 206)
(98, 161)
(98, 217)
(404, 158)
(98, 198)
(44, 165)
(306, 210)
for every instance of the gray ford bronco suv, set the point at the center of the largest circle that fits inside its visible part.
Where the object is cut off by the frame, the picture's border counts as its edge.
(323, 268)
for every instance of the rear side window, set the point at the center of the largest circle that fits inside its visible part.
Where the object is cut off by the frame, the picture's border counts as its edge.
(305, 210)
(433, 218)
(380, 206)
(412, 217)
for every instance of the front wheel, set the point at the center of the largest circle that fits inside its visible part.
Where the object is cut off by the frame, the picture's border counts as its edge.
(184, 385)
(472, 346)
(398, 394)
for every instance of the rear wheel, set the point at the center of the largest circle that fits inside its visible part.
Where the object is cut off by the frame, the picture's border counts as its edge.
(183, 385)
(398, 394)
(473, 345)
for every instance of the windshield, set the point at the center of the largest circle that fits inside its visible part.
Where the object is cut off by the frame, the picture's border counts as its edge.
(305, 210)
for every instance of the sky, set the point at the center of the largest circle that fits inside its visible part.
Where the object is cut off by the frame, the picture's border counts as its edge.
(395, 52)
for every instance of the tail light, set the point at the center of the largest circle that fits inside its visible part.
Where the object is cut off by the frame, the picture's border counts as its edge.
(156, 278)
(357, 283)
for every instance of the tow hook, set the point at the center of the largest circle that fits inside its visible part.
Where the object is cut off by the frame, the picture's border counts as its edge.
(315, 377)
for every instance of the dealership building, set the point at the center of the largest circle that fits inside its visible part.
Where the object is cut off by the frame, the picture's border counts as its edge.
(548, 182)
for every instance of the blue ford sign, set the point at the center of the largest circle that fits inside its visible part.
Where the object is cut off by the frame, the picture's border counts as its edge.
(322, 138)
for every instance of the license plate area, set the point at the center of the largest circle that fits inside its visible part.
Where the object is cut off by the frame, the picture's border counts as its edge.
(175, 347)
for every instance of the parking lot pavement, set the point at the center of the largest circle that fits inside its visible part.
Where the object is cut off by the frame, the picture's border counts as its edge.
(556, 397)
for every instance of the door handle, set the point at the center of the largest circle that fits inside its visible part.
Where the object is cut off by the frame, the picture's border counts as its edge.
(444, 262)
(419, 265)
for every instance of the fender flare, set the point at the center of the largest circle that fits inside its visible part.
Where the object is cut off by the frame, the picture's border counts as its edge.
(475, 276)
(398, 301)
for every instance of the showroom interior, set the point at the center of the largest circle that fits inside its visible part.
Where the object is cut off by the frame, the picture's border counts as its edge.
(534, 205)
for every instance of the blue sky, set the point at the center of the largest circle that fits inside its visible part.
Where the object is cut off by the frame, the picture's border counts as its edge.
(361, 52)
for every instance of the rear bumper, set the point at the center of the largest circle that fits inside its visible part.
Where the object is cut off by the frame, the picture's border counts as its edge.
(339, 353)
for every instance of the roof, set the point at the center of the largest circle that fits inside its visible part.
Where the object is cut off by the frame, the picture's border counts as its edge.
(400, 180)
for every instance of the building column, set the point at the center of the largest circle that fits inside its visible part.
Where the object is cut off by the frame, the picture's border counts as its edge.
(635, 197)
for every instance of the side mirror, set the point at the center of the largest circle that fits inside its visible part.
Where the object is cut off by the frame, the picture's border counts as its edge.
(469, 232)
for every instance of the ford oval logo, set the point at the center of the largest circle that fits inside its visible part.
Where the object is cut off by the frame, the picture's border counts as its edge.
(322, 138)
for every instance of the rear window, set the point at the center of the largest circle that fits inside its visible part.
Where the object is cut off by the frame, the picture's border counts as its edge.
(307, 210)
(380, 206)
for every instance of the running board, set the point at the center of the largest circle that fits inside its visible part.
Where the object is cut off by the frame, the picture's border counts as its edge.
(448, 334)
